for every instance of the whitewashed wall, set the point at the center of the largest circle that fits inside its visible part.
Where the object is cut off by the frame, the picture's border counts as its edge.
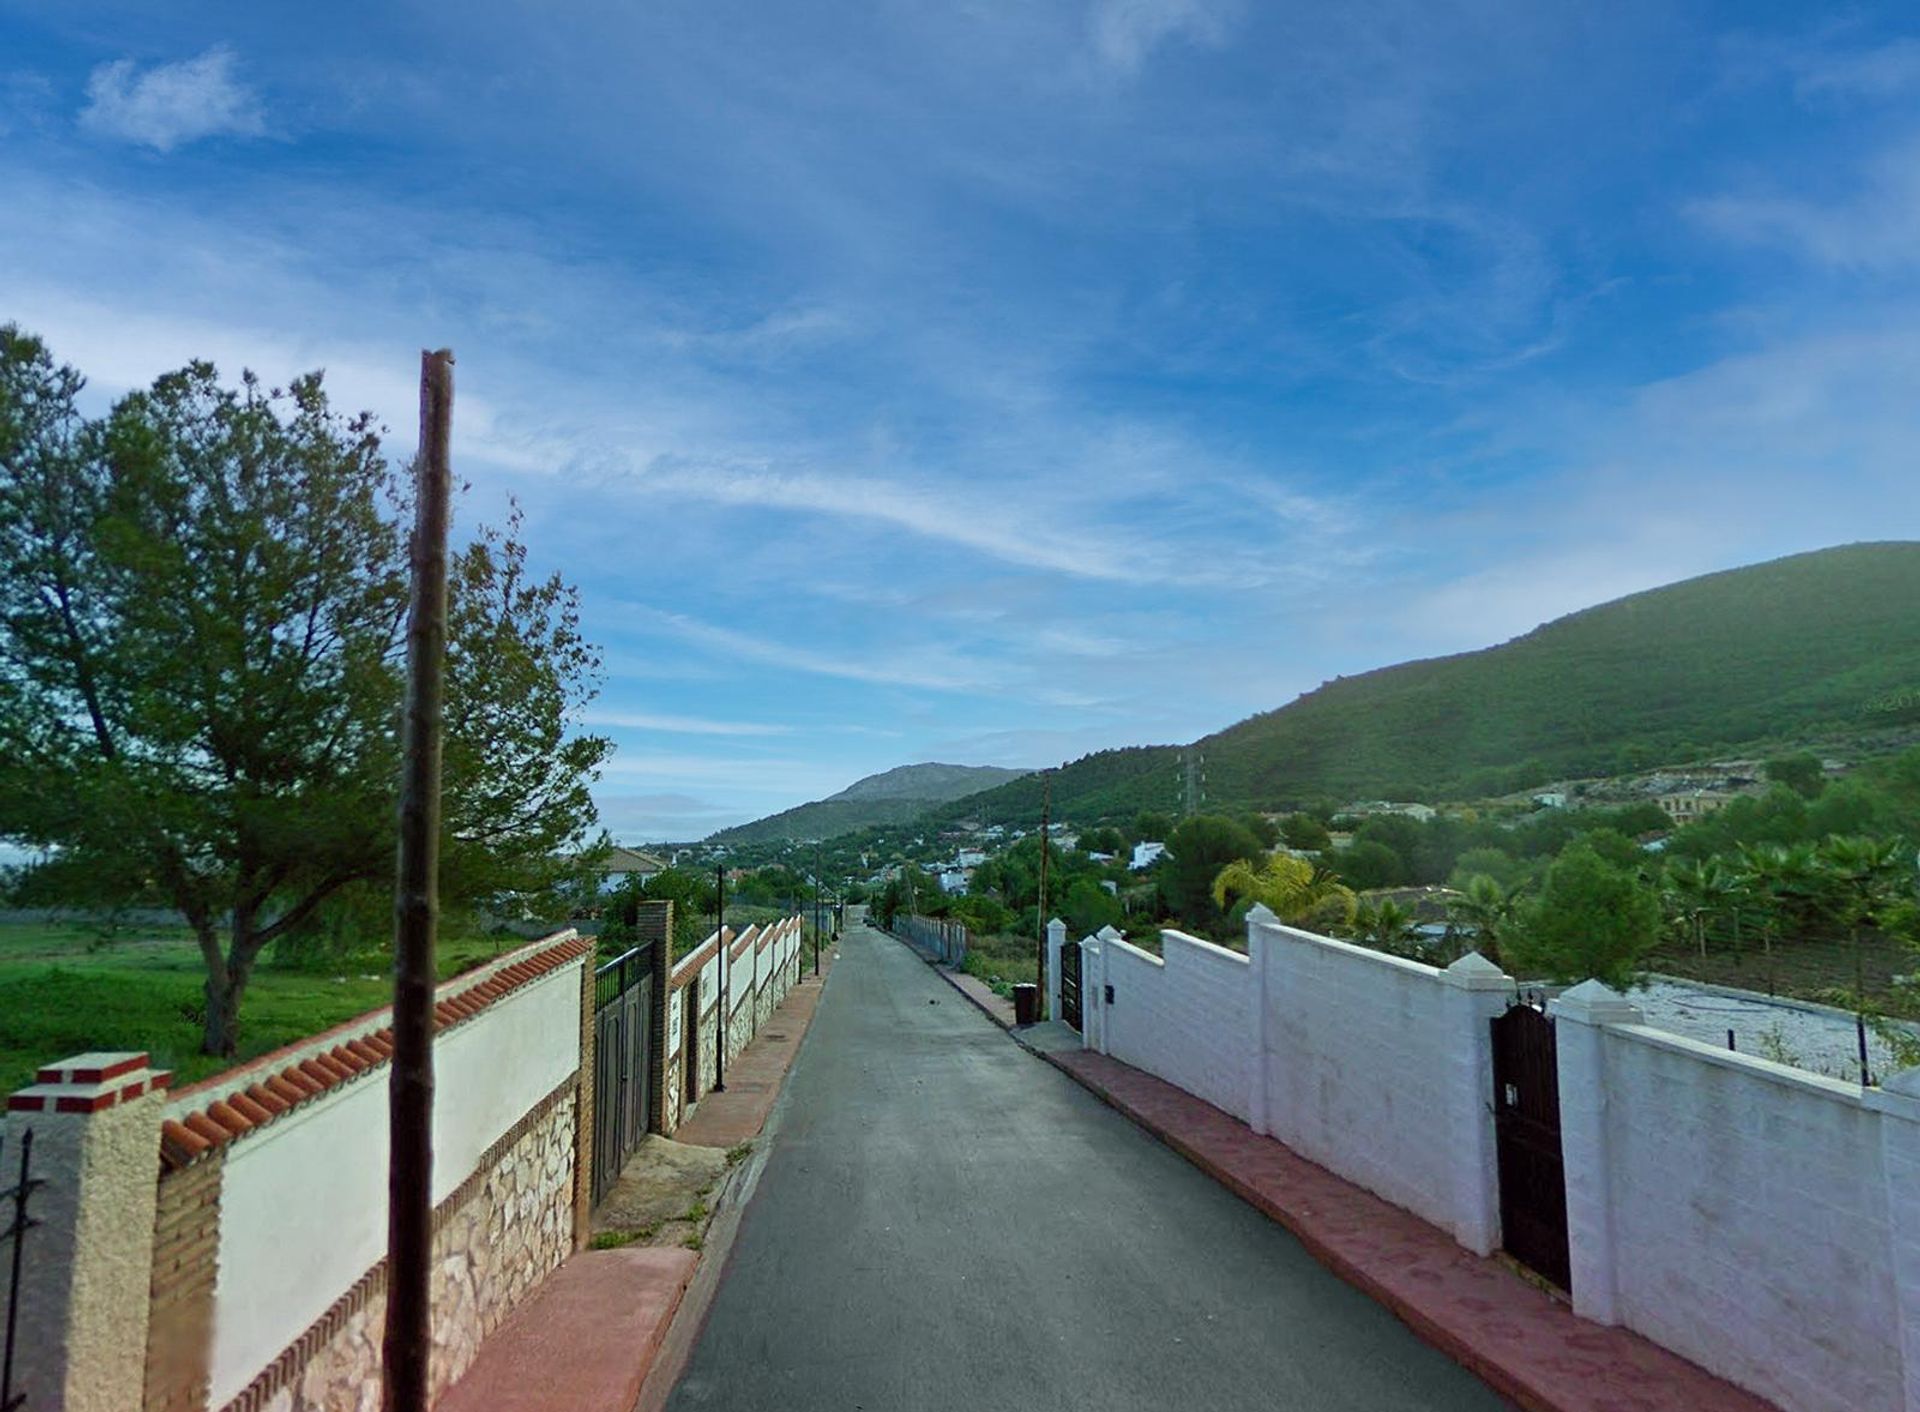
(303, 1199)
(1185, 1015)
(1380, 1069)
(1759, 1220)
(1740, 1212)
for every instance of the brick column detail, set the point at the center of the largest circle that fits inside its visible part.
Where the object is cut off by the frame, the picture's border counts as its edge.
(186, 1247)
(87, 1279)
(583, 1110)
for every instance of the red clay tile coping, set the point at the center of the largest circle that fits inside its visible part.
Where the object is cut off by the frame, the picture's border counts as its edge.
(690, 965)
(235, 1103)
(745, 942)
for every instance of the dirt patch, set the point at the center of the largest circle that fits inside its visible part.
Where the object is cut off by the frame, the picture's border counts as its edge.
(662, 1183)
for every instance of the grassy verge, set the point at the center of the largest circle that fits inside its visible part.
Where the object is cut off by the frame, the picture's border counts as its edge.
(1002, 962)
(67, 990)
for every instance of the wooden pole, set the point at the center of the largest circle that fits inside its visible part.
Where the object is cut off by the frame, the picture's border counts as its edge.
(409, 1333)
(1040, 970)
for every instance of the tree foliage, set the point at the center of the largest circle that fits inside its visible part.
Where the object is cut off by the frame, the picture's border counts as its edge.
(1592, 918)
(201, 603)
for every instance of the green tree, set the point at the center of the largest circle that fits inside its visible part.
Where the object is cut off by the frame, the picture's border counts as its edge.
(1200, 847)
(1305, 832)
(1591, 919)
(201, 605)
(1151, 827)
(1801, 773)
(1370, 865)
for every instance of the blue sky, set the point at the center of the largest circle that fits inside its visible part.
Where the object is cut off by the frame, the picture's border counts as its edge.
(996, 382)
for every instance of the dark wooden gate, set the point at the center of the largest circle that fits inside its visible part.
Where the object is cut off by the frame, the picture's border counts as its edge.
(1070, 983)
(622, 1091)
(1526, 1109)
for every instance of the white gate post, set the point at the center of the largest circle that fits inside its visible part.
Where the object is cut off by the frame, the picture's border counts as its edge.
(1056, 940)
(1481, 992)
(1581, 1017)
(1898, 1103)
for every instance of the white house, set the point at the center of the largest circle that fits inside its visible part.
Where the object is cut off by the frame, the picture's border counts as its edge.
(623, 863)
(1145, 855)
(953, 881)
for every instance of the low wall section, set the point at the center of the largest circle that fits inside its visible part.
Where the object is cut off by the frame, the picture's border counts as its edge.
(753, 971)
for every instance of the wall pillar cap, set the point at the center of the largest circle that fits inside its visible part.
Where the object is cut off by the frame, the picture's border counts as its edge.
(1475, 972)
(1107, 933)
(1592, 1003)
(1262, 914)
(89, 1083)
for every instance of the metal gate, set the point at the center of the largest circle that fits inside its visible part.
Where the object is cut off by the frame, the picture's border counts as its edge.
(622, 1092)
(14, 1234)
(1526, 1108)
(1070, 983)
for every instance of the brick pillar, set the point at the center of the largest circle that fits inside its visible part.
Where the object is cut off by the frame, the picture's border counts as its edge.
(1479, 991)
(655, 924)
(583, 1110)
(1580, 1019)
(86, 1280)
(186, 1248)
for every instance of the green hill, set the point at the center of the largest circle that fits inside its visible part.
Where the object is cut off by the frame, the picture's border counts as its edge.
(895, 796)
(1819, 645)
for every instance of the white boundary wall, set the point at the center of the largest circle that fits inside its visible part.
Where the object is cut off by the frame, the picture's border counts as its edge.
(295, 1198)
(1761, 1221)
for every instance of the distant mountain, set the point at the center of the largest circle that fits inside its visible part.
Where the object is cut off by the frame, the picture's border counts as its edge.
(938, 783)
(895, 796)
(1823, 645)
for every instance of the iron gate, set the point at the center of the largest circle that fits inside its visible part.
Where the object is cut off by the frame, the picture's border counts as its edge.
(1526, 1109)
(1070, 983)
(622, 1033)
(14, 1234)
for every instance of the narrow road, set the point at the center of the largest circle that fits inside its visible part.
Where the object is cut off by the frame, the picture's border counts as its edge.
(944, 1221)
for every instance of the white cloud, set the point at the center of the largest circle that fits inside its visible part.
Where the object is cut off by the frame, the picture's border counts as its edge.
(171, 104)
(1126, 32)
(677, 725)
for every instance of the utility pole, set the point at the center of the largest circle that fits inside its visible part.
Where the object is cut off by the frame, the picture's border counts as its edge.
(816, 907)
(726, 974)
(1040, 970)
(408, 1338)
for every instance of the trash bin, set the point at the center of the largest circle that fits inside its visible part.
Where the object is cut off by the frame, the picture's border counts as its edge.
(1026, 1004)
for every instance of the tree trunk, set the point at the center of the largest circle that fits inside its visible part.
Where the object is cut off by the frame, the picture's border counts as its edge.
(227, 977)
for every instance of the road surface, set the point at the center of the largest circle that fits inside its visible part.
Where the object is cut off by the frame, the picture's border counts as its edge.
(946, 1222)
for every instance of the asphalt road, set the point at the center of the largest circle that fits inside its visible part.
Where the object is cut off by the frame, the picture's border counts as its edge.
(945, 1221)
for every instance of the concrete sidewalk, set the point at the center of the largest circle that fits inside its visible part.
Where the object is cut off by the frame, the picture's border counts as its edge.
(600, 1325)
(584, 1342)
(1524, 1342)
(725, 1118)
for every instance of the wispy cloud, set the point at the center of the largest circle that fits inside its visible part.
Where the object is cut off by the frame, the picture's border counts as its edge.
(170, 104)
(1126, 32)
(676, 725)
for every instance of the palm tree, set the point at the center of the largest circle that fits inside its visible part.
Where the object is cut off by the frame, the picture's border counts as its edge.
(1386, 926)
(1293, 889)
(1871, 876)
(1692, 891)
(1485, 909)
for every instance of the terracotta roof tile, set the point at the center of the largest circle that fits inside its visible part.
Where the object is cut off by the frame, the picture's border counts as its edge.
(180, 1144)
(250, 1108)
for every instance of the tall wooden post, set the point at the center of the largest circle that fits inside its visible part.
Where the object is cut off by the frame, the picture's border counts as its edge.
(409, 1334)
(1040, 917)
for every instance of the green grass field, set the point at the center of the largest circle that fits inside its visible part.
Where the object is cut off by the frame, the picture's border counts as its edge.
(65, 988)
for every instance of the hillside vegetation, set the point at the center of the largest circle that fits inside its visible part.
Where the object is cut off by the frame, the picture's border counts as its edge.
(1821, 645)
(895, 796)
